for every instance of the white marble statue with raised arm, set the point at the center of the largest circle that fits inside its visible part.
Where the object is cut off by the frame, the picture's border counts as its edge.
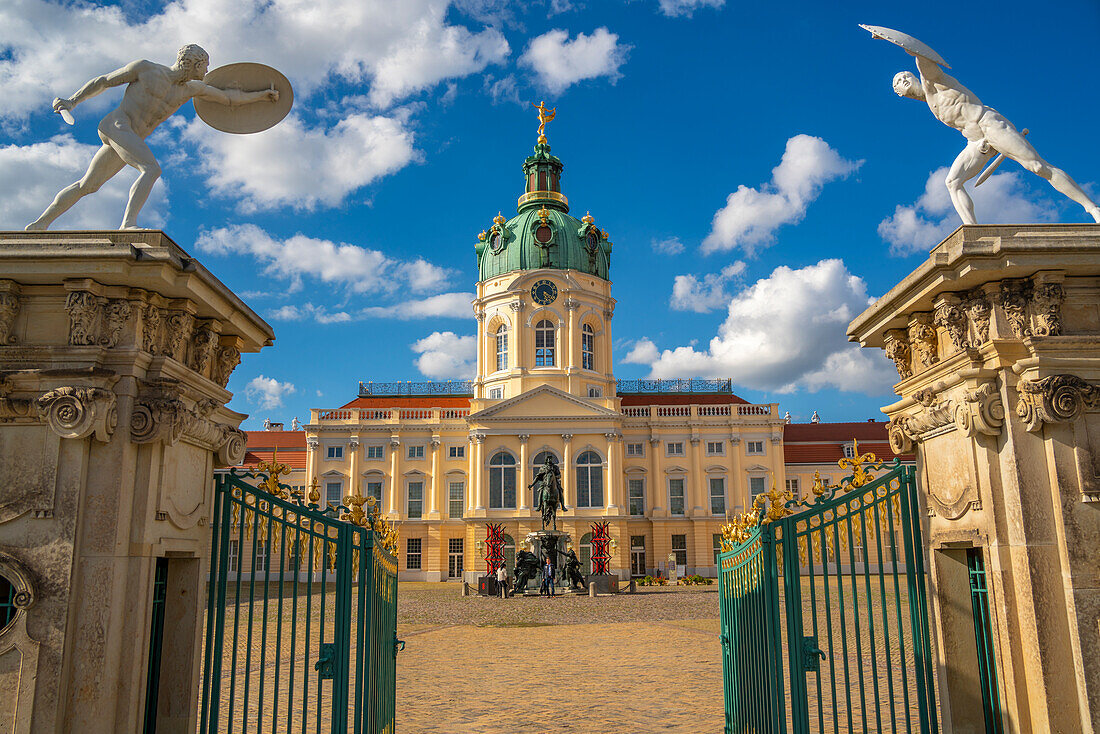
(153, 93)
(987, 132)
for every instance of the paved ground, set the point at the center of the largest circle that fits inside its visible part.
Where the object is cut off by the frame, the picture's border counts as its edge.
(542, 665)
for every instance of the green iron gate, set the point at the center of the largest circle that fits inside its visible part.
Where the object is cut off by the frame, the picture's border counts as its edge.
(302, 614)
(824, 621)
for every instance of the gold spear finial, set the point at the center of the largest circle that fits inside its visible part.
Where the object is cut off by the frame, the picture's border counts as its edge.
(545, 115)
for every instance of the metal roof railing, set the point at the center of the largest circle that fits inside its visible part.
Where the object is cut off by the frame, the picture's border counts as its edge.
(466, 387)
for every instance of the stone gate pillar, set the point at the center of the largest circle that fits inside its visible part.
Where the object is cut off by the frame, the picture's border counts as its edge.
(996, 340)
(115, 349)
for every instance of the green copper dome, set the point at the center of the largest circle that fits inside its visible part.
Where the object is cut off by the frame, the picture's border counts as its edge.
(543, 234)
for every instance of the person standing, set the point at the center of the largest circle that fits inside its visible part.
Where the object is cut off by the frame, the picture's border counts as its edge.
(548, 576)
(502, 580)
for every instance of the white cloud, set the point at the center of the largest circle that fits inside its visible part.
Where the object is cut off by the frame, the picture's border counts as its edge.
(559, 63)
(267, 392)
(701, 296)
(502, 90)
(356, 268)
(453, 305)
(751, 216)
(785, 332)
(684, 8)
(561, 6)
(292, 165)
(668, 246)
(31, 175)
(396, 48)
(445, 355)
(1003, 198)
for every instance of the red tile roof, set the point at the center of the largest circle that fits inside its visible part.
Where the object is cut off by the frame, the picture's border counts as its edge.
(293, 459)
(865, 431)
(276, 440)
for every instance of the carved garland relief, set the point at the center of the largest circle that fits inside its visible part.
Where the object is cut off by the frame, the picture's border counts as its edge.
(9, 309)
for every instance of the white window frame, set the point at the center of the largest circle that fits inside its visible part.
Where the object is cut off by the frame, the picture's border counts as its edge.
(549, 355)
(501, 342)
(751, 446)
(669, 451)
(630, 498)
(259, 558)
(418, 479)
(334, 452)
(595, 392)
(683, 496)
(711, 495)
(639, 453)
(763, 484)
(792, 485)
(381, 482)
(502, 469)
(457, 451)
(496, 393)
(718, 446)
(381, 451)
(419, 554)
(415, 452)
(596, 467)
(328, 483)
(849, 451)
(588, 348)
(451, 485)
(677, 551)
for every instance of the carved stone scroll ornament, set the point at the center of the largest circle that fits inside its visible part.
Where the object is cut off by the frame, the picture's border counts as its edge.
(981, 411)
(897, 349)
(204, 343)
(78, 412)
(1046, 301)
(13, 409)
(226, 360)
(84, 316)
(978, 309)
(950, 317)
(9, 309)
(1014, 295)
(976, 411)
(158, 413)
(922, 341)
(1054, 399)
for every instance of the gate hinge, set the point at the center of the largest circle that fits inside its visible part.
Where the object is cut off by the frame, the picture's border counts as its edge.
(810, 653)
(326, 661)
(398, 646)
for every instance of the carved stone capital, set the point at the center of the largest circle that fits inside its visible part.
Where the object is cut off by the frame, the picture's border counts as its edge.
(654, 442)
(572, 304)
(435, 442)
(479, 315)
(177, 334)
(897, 349)
(517, 305)
(395, 443)
(612, 437)
(524, 437)
(735, 440)
(84, 316)
(158, 414)
(204, 343)
(1046, 302)
(9, 309)
(353, 443)
(477, 437)
(978, 309)
(608, 313)
(117, 314)
(312, 443)
(78, 412)
(950, 317)
(922, 341)
(1054, 399)
(567, 437)
(1014, 296)
(151, 320)
(226, 360)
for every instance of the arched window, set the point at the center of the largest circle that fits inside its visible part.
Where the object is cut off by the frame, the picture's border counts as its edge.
(540, 459)
(502, 481)
(544, 344)
(589, 480)
(588, 340)
(502, 347)
(584, 553)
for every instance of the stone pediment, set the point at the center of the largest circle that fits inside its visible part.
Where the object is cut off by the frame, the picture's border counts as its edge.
(543, 403)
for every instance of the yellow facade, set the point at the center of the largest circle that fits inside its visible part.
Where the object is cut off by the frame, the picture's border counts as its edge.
(693, 457)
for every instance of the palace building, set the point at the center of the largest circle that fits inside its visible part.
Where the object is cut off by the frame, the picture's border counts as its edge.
(665, 462)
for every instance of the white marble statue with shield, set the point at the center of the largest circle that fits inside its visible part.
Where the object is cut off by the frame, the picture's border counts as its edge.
(987, 132)
(238, 98)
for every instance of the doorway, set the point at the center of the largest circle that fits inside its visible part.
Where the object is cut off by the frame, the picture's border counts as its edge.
(637, 556)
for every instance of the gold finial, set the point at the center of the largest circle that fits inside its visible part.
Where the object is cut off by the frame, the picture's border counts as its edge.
(773, 502)
(544, 215)
(499, 219)
(482, 235)
(274, 470)
(587, 218)
(860, 476)
(604, 233)
(314, 493)
(545, 115)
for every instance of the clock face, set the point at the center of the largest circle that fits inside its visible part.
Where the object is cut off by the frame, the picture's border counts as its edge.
(544, 292)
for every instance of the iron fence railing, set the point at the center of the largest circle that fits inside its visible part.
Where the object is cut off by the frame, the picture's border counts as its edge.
(466, 387)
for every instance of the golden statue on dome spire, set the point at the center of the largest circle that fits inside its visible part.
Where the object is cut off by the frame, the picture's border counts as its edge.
(545, 115)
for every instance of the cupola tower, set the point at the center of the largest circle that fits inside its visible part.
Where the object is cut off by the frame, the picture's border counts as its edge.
(544, 302)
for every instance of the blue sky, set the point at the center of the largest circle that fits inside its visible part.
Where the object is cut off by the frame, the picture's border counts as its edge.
(756, 173)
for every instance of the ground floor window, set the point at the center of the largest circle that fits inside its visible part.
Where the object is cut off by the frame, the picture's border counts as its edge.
(679, 550)
(234, 556)
(455, 548)
(259, 558)
(637, 496)
(456, 492)
(412, 554)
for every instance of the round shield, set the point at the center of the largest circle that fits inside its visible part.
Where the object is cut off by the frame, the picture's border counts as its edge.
(253, 117)
(905, 41)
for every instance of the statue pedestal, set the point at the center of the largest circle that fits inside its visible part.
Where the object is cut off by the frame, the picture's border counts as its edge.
(536, 542)
(996, 338)
(115, 349)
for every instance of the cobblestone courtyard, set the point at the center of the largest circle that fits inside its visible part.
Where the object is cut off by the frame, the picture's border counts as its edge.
(647, 662)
